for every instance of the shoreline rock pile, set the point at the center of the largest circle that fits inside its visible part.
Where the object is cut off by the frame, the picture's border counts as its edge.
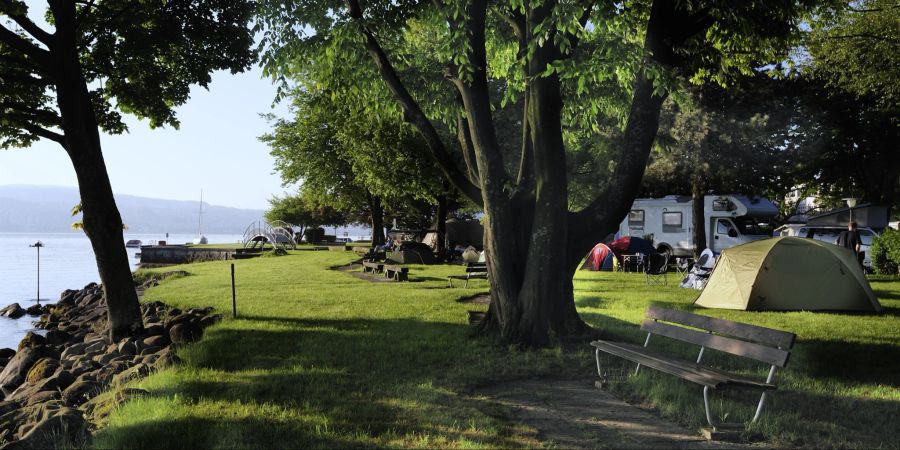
(49, 381)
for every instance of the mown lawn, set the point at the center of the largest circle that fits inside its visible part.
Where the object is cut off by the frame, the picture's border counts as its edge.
(320, 358)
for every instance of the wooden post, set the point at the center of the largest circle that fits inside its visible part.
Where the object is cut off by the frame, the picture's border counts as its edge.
(233, 296)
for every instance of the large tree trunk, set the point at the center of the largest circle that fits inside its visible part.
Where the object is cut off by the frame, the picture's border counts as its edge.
(377, 211)
(102, 222)
(698, 208)
(440, 224)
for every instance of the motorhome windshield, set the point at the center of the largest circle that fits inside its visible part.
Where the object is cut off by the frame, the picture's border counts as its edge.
(754, 225)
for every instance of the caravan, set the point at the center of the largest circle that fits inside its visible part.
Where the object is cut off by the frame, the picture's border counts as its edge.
(730, 220)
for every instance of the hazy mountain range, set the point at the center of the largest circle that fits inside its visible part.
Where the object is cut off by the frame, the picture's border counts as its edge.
(48, 209)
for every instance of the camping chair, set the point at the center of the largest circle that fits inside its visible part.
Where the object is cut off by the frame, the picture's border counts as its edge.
(657, 268)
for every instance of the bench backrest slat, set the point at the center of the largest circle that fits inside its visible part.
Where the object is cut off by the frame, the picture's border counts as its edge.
(767, 336)
(768, 355)
(476, 269)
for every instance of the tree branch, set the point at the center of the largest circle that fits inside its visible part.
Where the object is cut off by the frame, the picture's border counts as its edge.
(10, 7)
(45, 133)
(412, 113)
(43, 115)
(24, 47)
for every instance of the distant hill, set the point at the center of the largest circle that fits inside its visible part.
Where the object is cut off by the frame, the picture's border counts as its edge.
(48, 209)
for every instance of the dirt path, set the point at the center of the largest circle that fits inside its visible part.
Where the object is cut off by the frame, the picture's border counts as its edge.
(574, 414)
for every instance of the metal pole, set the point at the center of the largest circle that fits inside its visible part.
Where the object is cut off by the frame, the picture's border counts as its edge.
(233, 296)
(39, 276)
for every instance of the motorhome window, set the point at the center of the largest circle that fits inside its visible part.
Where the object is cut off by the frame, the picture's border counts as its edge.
(754, 225)
(671, 221)
(722, 226)
(723, 204)
(636, 218)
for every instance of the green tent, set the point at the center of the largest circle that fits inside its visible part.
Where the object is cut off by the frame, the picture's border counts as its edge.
(788, 274)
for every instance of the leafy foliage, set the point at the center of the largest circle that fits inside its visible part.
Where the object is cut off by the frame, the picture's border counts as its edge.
(886, 252)
(136, 57)
(856, 50)
(303, 211)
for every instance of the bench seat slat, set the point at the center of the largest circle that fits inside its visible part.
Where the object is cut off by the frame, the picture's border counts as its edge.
(768, 336)
(768, 355)
(687, 370)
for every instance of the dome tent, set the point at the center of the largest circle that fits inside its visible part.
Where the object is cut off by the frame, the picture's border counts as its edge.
(599, 258)
(788, 274)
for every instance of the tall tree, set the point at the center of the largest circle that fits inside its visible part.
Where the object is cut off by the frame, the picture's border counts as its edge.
(724, 141)
(105, 56)
(355, 161)
(563, 64)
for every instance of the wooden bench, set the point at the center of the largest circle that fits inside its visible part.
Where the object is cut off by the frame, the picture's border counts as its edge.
(766, 345)
(371, 266)
(473, 270)
(397, 272)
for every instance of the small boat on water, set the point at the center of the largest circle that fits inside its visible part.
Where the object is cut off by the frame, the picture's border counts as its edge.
(134, 243)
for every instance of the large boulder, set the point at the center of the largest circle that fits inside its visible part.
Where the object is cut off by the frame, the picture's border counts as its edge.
(80, 392)
(15, 371)
(41, 369)
(32, 339)
(65, 428)
(13, 311)
(185, 332)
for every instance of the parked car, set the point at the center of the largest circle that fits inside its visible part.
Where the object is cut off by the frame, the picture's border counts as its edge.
(343, 240)
(830, 235)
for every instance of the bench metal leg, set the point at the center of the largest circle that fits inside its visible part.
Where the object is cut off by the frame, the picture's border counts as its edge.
(646, 343)
(706, 405)
(762, 398)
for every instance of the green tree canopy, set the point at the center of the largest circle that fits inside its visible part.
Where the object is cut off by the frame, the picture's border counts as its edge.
(572, 71)
(104, 58)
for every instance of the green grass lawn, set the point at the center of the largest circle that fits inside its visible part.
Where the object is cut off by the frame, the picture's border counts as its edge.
(320, 358)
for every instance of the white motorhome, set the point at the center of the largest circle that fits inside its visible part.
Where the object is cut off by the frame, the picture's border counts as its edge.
(669, 222)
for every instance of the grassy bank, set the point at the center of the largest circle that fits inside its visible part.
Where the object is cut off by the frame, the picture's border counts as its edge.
(319, 358)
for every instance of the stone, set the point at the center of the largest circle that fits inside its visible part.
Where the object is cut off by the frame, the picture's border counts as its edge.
(57, 337)
(14, 373)
(81, 367)
(41, 369)
(32, 339)
(106, 358)
(129, 393)
(67, 297)
(166, 358)
(35, 310)
(13, 311)
(212, 319)
(150, 350)
(95, 347)
(80, 391)
(185, 332)
(7, 353)
(66, 428)
(155, 329)
(181, 318)
(137, 372)
(127, 347)
(73, 350)
(41, 397)
(157, 341)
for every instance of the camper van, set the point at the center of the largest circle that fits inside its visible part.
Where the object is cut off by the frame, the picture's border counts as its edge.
(669, 222)
(830, 235)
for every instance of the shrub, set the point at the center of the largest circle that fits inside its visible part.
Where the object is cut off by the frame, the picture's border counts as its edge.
(886, 252)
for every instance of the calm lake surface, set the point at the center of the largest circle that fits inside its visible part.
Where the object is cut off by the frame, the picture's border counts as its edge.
(67, 262)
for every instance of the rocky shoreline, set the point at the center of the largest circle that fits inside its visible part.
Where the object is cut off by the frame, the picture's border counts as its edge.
(51, 383)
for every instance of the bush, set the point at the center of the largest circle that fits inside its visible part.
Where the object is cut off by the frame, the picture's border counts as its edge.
(886, 252)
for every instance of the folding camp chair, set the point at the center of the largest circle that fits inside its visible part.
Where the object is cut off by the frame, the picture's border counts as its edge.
(657, 268)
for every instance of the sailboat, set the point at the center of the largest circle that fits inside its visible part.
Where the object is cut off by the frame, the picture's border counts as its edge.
(200, 239)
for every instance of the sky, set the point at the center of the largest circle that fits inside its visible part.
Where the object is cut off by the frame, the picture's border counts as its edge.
(216, 149)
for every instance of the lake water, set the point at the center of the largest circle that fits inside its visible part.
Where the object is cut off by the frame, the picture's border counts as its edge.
(67, 262)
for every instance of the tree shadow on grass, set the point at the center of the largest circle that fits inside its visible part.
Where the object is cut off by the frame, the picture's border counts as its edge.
(373, 379)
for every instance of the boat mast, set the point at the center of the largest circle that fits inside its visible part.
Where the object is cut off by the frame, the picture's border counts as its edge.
(200, 220)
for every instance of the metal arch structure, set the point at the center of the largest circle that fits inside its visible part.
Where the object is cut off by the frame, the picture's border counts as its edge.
(276, 233)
